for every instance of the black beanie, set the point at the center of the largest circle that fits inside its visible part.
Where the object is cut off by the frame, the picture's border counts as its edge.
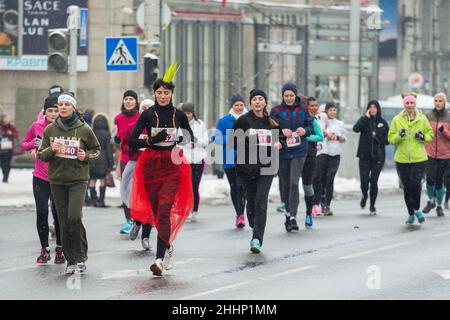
(130, 93)
(257, 92)
(290, 87)
(235, 97)
(51, 102)
(55, 89)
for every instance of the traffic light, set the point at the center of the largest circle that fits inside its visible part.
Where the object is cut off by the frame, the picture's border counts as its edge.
(150, 70)
(58, 50)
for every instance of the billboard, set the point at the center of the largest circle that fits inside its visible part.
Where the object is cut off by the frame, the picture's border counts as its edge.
(389, 33)
(38, 17)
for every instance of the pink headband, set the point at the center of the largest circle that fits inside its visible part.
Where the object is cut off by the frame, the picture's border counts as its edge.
(409, 99)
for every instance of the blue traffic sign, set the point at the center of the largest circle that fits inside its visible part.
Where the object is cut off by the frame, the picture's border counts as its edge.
(121, 54)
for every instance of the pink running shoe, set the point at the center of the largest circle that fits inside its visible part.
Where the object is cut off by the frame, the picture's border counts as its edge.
(316, 210)
(240, 221)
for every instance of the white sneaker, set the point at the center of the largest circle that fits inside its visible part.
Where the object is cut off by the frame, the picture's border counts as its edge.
(194, 216)
(134, 232)
(146, 244)
(157, 268)
(80, 268)
(70, 269)
(168, 258)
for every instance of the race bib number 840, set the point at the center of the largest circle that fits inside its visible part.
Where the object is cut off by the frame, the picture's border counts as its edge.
(68, 149)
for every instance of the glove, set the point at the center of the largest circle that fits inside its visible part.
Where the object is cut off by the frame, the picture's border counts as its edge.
(159, 137)
(117, 140)
(419, 136)
(402, 132)
(441, 129)
(37, 142)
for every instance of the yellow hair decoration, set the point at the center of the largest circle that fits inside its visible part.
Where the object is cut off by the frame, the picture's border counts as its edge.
(170, 73)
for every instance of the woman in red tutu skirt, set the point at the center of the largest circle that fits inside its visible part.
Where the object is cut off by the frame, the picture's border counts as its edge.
(162, 190)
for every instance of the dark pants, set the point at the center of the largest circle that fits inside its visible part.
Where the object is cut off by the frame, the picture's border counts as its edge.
(5, 163)
(126, 210)
(236, 191)
(447, 185)
(69, 201)
(369, 172)
(257, 195)
(146, 229)
(307, 179)
(411, 175)
(435, 171)
(327, 167)
(42, 194)
(290, 172)
(197, 173)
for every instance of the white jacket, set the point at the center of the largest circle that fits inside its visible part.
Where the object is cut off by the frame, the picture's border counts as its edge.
(322, 119)
(336, 127)
(198, 153)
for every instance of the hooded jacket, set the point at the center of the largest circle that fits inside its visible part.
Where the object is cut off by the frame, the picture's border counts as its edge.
(439, 147)
(374, 135)
(123, 120)
(62, 171)
(105, 162)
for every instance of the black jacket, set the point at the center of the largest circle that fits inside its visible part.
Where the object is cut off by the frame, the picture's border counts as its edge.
(374, 136)
(253, 162)
(104, 164)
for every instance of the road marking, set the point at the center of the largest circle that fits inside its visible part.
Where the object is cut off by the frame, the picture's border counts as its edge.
(445, 274)
(110, 275)
(401, 244)
(240, 284)
(441, 235)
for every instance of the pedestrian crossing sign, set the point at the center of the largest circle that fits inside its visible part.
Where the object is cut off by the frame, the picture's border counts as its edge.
(121, 54)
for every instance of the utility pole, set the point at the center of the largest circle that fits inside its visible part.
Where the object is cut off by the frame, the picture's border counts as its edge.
(73, 24)
(352, 109)
(153, 26)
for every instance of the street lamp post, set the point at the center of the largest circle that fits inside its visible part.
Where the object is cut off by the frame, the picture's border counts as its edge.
(73, 25)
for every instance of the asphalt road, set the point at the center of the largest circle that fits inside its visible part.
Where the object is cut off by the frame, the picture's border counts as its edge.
(348, 256)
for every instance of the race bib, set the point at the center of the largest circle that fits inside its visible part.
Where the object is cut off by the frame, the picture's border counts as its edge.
(294, 140)
(6, 144)
(170, 139)
(68, 149)
(264, 137)
(143, 137)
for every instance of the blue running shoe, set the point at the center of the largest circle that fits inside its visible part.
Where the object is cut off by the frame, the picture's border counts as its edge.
(255, 246)
(410, 219)
(282, 208)
(126, 227)
(308, 221)
(420, 216)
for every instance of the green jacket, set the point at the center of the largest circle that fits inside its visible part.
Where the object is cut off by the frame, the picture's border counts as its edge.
(63, 171)
(409, 149)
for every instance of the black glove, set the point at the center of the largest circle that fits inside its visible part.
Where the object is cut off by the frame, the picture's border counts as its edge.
(402, 132)
(419, 136)
(441, 129)
(117, 140)
(159, 137)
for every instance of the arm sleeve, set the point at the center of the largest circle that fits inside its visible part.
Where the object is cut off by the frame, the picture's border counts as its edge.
(360, 124)
(220, 136)
(92, 146)
(317, 135)
(45, 152)
(134, 142)
(28, 141)
(393, 135)
(184, 124)
(381, 134)
(427, 131)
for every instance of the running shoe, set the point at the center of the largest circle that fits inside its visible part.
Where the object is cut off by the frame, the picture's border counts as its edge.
(410, 220)
(44, 257)
(255, 246)
(288, 224)
(157, 268)
(294, 225)
(126, 227)
(146, 244)
(316, 211)
(282, 208)
(70, 269)
(363, 202)
(80, 268)
(327, 212)
(194, 216)
(373, 211)
(168, 258)
(309, 221)
(420, 217)
(134, 232)
(430, 205)
(240, 221)
(440, 211)
(59, 256)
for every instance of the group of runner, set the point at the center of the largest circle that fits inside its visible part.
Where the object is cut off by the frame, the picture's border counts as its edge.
(161, 169)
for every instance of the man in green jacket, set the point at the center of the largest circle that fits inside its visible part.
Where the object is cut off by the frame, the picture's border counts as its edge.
(409, 131)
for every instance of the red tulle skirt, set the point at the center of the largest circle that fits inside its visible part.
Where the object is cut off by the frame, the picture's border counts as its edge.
(162, 192)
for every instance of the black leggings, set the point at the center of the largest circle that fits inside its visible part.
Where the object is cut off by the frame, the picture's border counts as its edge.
(236, 190)
(5, 163)
(435, 171)
(327, 167)
(369, 172)
(197, 173)
(146, 229)
(42, 194)
(308, 173)
(411, 175)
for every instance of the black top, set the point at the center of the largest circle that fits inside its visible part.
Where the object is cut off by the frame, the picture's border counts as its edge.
(373, 139)
(159, 117)
(252, 164)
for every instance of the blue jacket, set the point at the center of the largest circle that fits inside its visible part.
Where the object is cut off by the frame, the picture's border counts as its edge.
(221, 137)
(294, 117)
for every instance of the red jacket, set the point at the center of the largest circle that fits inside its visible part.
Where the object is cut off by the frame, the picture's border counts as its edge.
(9, 132)
(439, 147)
(123, 122)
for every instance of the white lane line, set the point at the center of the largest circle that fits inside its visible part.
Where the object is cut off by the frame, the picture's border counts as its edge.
(109, 275)
(240, 284)
(445, 274)
(401, 244)
(441, 235)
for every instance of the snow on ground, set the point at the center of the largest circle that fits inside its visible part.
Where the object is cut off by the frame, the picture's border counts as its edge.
(19, 192)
